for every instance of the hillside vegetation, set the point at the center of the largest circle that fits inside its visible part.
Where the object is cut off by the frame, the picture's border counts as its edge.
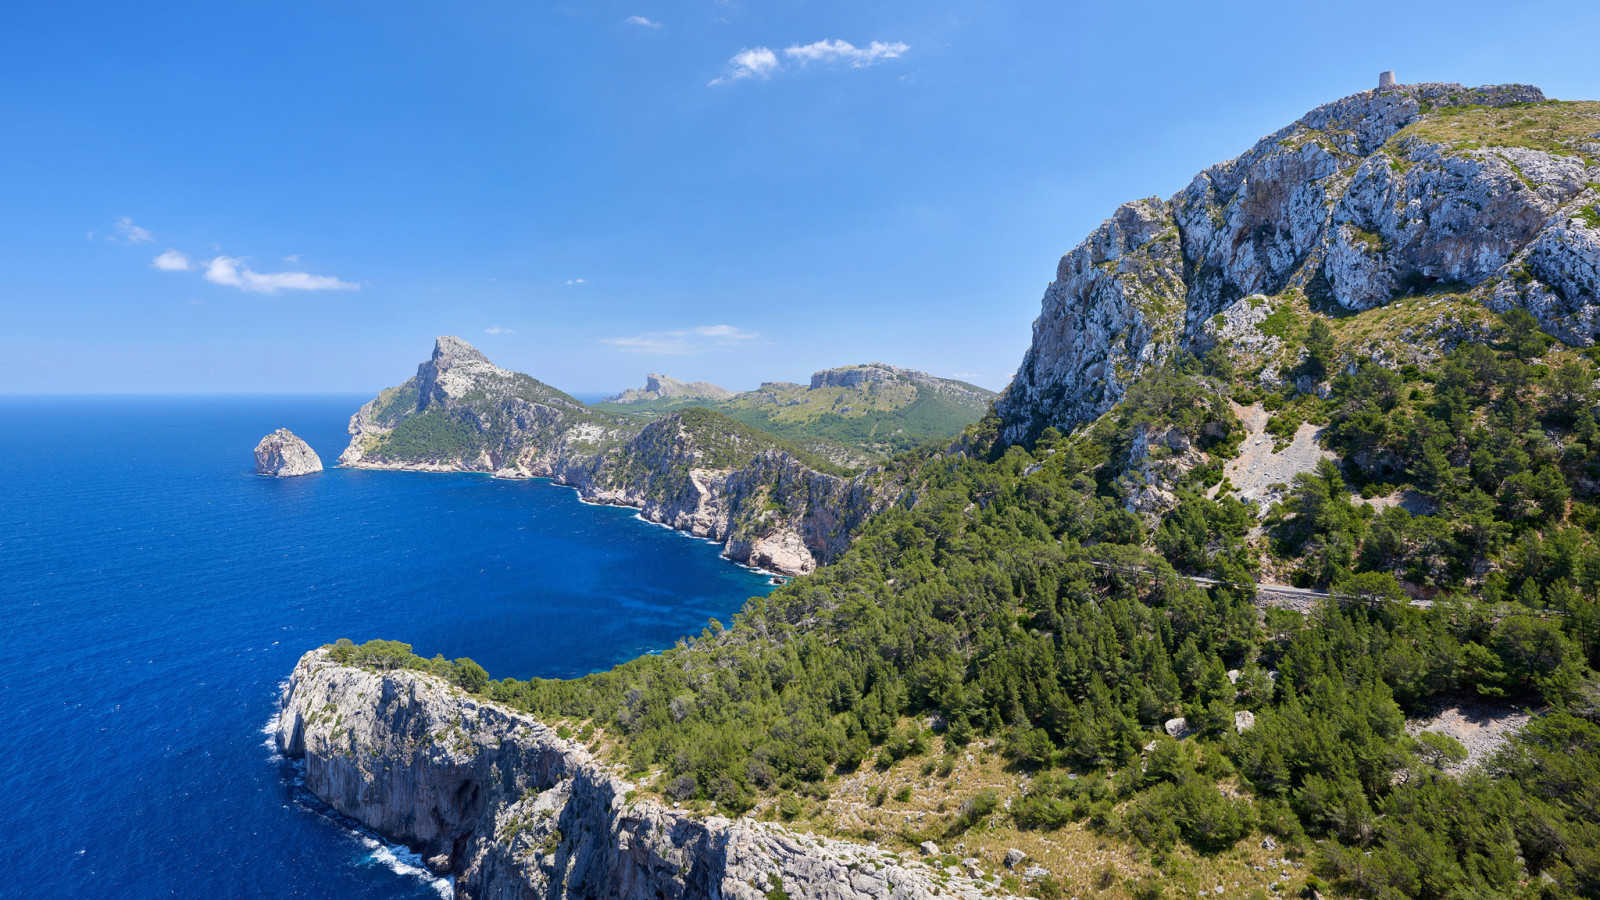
(1026, 613)
(1069, 634)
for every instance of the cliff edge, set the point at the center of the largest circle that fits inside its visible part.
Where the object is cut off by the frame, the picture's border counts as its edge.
(512, 810)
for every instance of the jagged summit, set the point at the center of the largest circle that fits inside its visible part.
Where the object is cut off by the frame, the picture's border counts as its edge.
(662, 387)
(1489, 191)
(449, 349)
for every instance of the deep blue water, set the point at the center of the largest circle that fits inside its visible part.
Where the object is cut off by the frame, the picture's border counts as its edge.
(155, 593)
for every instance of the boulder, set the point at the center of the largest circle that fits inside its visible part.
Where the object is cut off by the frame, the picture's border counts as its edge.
(283, 455)
(928, 848)
(1014, 857)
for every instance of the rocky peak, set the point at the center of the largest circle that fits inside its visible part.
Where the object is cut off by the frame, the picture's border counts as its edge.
(455, 368)
(660, 387)
(1405, 185)
(449, 350)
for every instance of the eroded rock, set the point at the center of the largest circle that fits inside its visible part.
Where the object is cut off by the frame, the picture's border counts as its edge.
(512, 810)
(283, 455)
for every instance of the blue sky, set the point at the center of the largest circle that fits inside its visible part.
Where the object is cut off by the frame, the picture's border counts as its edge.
(298, 196)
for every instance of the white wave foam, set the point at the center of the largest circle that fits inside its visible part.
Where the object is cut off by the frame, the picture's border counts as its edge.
(402, 860)
(397, 858)
(271, 728)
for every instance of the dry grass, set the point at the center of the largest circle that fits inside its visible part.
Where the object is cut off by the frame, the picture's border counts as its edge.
(1555, 127)
(1086, 864)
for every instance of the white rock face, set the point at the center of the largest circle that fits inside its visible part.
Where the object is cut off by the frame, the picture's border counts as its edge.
(283, 455)
(1328, 202)
(514, 811)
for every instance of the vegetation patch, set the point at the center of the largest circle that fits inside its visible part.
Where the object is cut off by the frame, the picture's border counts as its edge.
(1556, 126)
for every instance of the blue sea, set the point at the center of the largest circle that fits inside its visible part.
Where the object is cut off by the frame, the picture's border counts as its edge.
(156, 593)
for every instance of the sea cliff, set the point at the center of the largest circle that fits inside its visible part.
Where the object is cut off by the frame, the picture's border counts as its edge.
(513, 810)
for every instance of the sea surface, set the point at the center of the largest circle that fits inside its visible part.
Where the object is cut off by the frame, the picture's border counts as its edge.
(155, 593)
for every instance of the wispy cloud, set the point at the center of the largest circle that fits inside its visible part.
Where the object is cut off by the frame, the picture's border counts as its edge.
(576, 281)
(230, 271)
(762, 62)
(641, 21)
(131, 233)
(172, 261)
(759, 62)
(844, 51)
(496, 329)
(683, 341)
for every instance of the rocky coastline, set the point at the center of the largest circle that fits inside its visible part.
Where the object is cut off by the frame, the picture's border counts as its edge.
(513, 810)
(768, 509)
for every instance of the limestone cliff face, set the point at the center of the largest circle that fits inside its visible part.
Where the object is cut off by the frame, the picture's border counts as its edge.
(513, 811)
(869, 373)
(284, 455)
(662, 387)
(1357, 201)
(718, 481)
(694, 470)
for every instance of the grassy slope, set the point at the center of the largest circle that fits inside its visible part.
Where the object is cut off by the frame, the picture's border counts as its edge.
(880, 419)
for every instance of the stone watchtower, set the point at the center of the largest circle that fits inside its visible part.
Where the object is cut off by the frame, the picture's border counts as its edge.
(1386, 79)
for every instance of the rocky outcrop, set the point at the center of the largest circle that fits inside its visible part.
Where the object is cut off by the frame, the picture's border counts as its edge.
(872, 373)
(514, 811)
(661, 387)
(694, 470)
(283, 455)
(1359, 201)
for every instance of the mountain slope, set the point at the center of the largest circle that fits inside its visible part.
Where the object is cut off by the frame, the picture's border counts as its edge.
(852, 414)
(1488, 191)
(1048, 664)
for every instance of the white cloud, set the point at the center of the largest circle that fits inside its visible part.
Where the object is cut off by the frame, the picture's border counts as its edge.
(131, 233)
(172, 261)
(844, 51)
(640, 20)
(757, 63)
(682, 342)
(576, 281)
(231, 272)
(761, 62)
(292, 258)
(496, 329)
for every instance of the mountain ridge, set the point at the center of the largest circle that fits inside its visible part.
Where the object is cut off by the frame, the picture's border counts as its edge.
(1350, 203)
(772, 505)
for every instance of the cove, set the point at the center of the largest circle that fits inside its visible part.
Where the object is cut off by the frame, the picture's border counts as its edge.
(155, 592)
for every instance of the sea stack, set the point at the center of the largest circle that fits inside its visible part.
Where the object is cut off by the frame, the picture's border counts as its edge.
(283, 455)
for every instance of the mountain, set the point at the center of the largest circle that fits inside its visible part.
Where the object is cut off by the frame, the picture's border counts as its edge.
(853, 415)
(660, 387)
(1487, 194)
(1278, 568)
(771, 504)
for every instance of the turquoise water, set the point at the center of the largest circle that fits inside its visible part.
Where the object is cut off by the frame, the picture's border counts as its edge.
(156, 592)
